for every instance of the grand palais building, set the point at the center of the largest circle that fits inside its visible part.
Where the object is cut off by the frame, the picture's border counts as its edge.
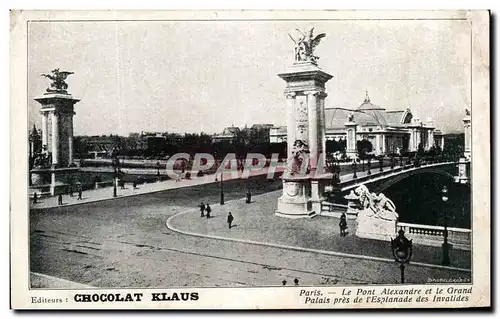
(388, 131)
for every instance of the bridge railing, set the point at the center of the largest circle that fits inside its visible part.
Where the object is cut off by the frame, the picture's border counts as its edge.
(347, 184)
(459, 238)
(336, 210)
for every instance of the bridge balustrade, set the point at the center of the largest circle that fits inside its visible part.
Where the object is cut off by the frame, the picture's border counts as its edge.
(459, 238)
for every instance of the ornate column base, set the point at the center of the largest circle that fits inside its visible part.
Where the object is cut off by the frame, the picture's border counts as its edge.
(295, 201)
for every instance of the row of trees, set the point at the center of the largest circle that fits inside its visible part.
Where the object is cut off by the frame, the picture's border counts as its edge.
(244, 142)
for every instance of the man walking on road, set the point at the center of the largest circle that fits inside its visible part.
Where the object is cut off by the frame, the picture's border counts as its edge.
(230, 219)
(202, 209)
(80, 193)
(343, 224)
(209, 210)
(59, 199)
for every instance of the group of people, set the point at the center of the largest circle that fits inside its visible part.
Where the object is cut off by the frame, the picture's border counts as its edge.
(207, 209)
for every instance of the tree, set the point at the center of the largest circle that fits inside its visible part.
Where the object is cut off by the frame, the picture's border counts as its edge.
(333, 146)
(364, 147)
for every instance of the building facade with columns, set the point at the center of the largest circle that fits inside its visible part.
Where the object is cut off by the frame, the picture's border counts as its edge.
(389, 131)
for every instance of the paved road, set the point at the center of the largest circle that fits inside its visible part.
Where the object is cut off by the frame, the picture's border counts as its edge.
(124, 243)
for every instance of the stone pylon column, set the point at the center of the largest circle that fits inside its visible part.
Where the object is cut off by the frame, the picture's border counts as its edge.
(55, 139)
(312, 112)
(302, 194)
(45, 130)
(290, 120)
(467, 137)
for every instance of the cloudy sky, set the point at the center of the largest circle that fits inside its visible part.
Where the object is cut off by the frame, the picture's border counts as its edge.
(192, 76)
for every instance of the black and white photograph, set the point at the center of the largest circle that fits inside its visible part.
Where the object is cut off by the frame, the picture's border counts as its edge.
(250, 160)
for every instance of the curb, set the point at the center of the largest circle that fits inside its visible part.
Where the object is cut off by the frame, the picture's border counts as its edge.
(137, 194)
(124, 196)
(296, 248)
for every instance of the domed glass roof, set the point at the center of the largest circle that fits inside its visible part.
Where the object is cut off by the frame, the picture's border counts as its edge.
(370, 114)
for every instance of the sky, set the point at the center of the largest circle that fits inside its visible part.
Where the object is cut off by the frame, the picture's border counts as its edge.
(202, 76)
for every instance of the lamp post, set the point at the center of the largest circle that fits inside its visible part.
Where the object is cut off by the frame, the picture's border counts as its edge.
(402, 251)
(392, 162)
(369, 166)
(381, 162)
(353, 165)
(115, 172)
(158, 168)
(446, 255)
(221, 188)
(363, 163)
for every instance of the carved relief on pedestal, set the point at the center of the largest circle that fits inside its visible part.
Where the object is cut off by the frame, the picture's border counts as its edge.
(302, 120)
(292, 189)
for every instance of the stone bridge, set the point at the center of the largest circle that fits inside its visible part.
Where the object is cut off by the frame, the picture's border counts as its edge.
(379, 181)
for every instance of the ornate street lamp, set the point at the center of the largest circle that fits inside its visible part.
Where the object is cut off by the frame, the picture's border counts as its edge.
(158, 168)
(353, 165)
(402, 251)
(221, 189)
(115, 162)
(446, 254)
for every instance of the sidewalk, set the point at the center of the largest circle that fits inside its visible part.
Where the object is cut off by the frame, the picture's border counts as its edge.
(106, 193)
(256, 222)
(49, 282)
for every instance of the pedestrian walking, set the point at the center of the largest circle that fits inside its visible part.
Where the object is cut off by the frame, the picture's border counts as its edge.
(296, 281)
(202, 209)
(80, 193)
(209, 210)
(249, 197)
(59, 199)
(230, 219)
(70, 191)
(35, 198)
(135, 184)
(343, 224)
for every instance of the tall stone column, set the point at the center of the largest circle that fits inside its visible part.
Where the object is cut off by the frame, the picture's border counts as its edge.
(467, 137)
(322, 126)
(70, 140)
(377, 144)
(45, 129)
(418, 138)
(351, 139)
(312, 112)
(55, 139)
(383, 146)
(442, 142)
(430, 138)
(290, 120)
